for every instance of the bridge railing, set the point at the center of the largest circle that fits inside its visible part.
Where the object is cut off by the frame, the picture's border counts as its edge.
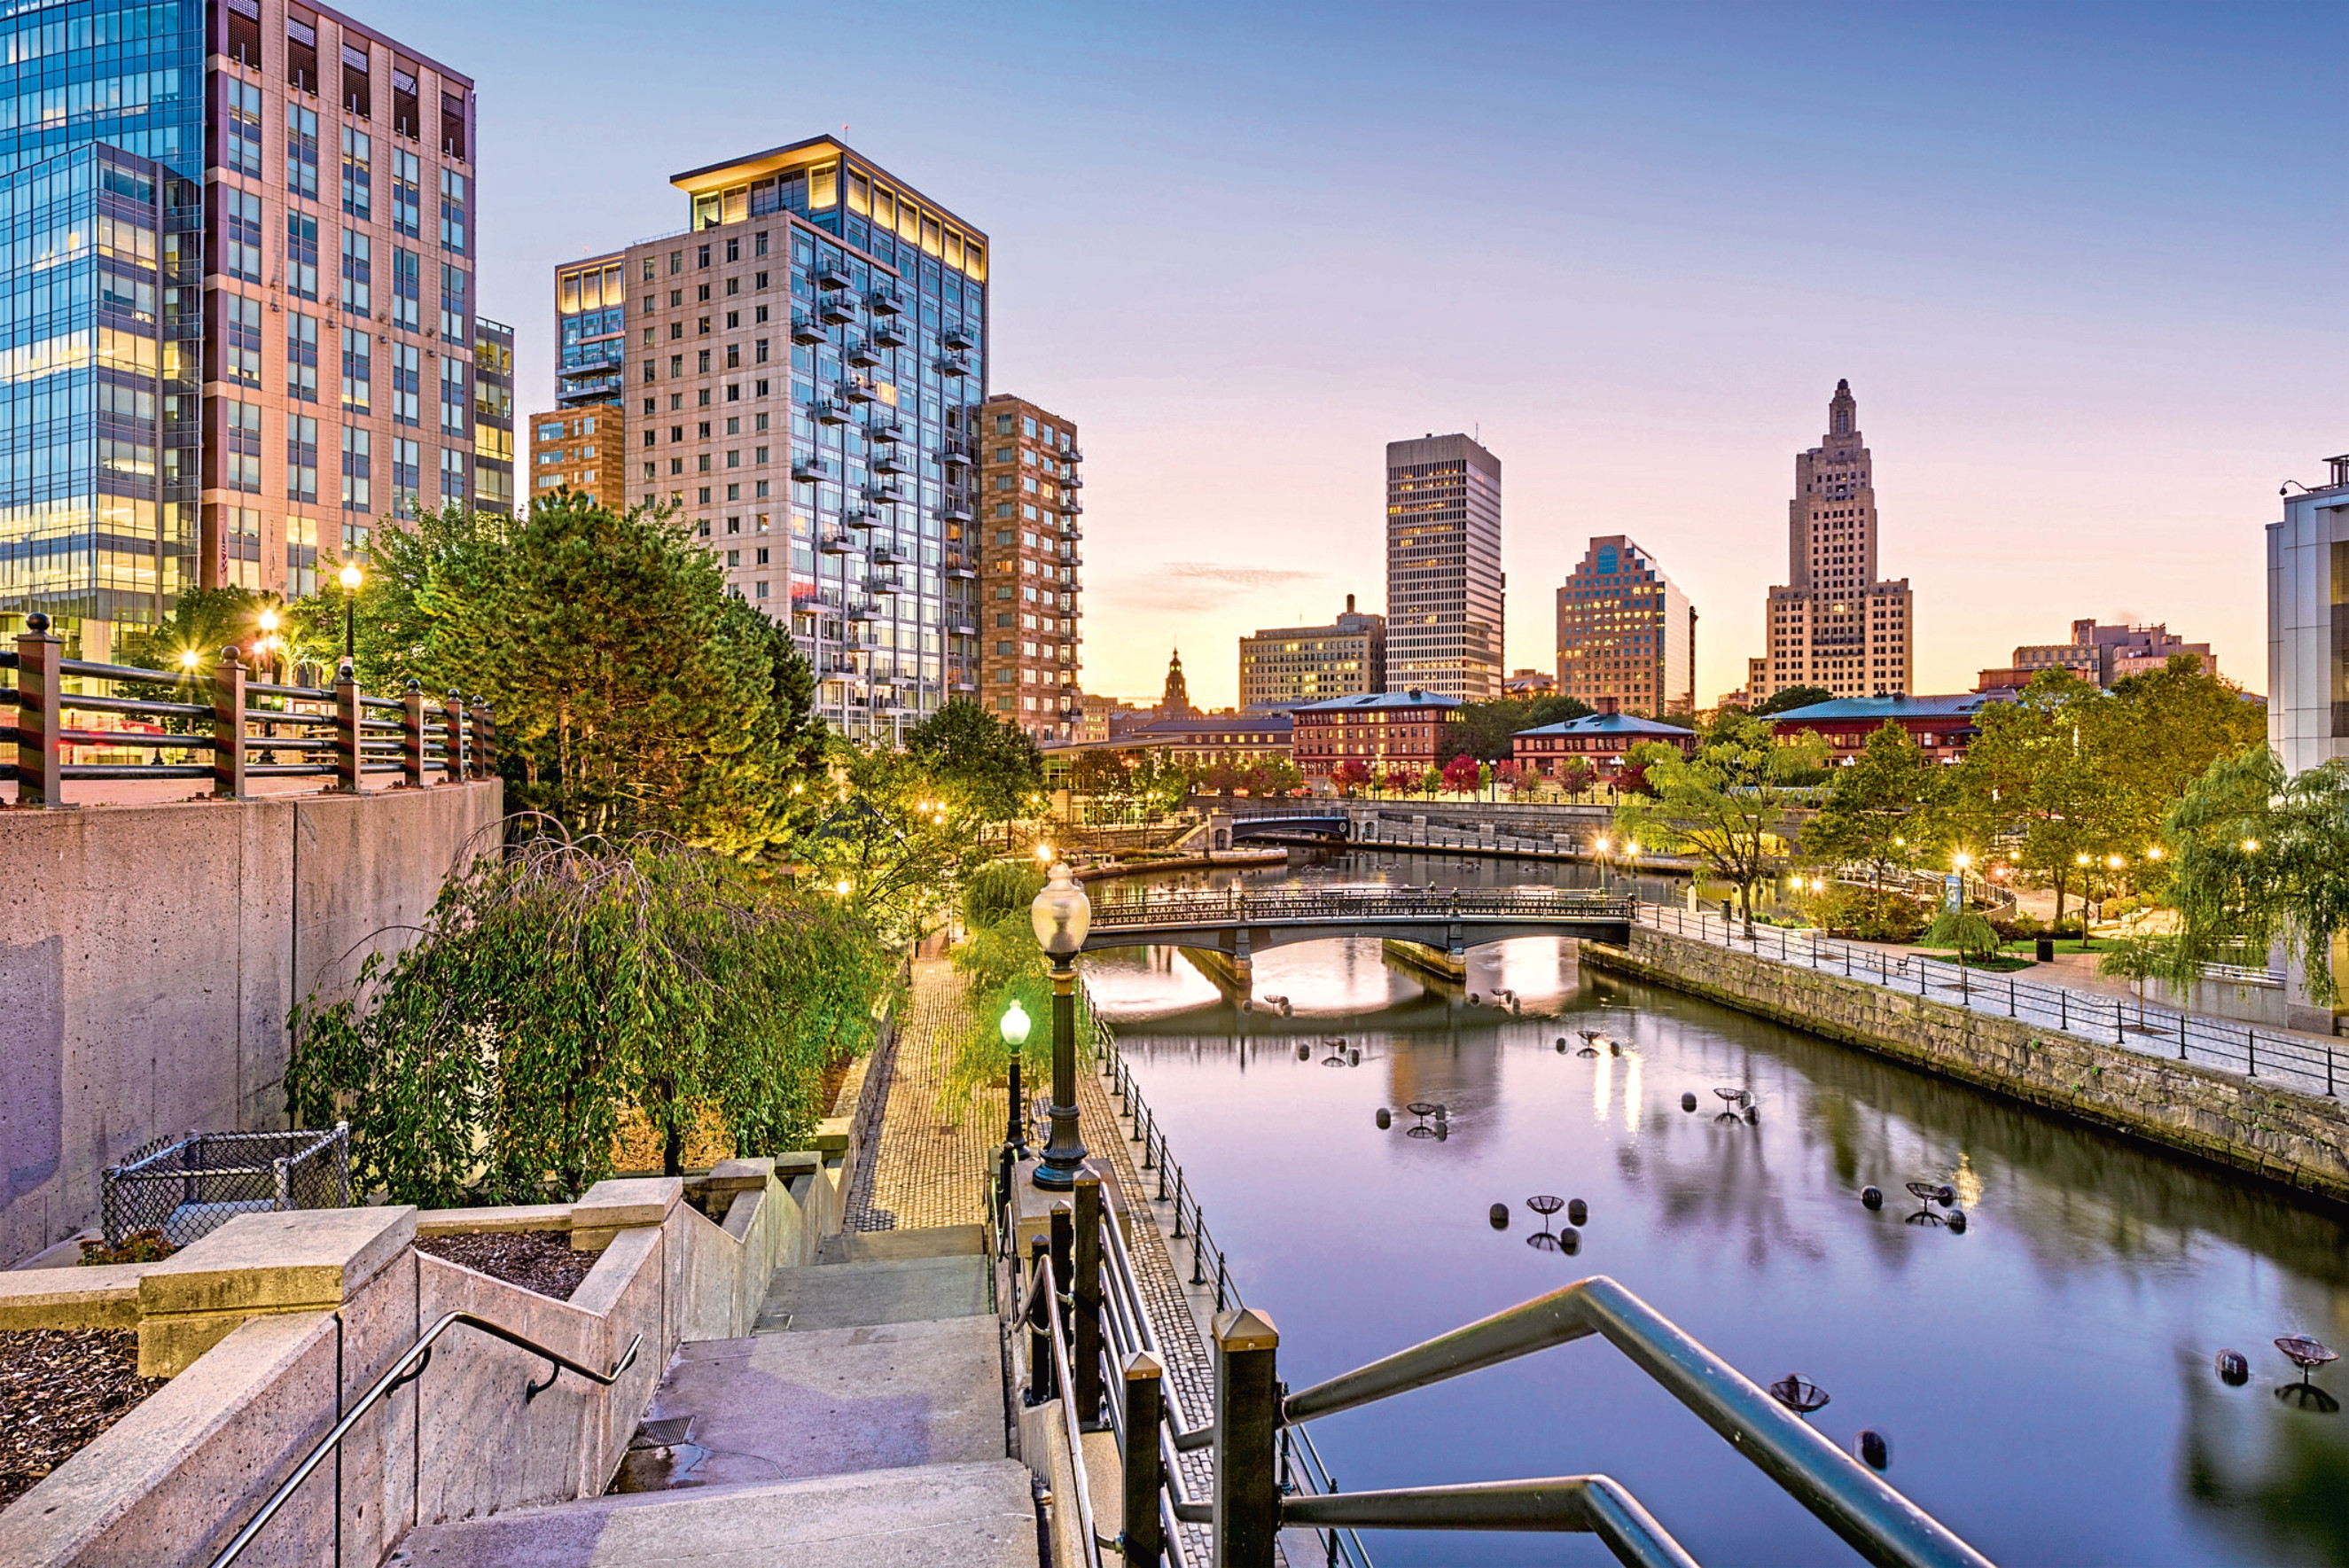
(1239, 905)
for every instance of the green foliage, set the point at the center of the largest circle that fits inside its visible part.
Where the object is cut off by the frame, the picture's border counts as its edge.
(1967, 930)
(999, 888)
(556, 985)
(1729, 803)
(1871, 914)
(632, 692)
(1884, 814)
(880, 824)
(1484, 730)
(1787, 699)
(1001, 962)
(2255, 856)
(988, 767)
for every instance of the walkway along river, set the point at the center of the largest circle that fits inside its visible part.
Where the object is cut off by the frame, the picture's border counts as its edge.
(2045, 1376)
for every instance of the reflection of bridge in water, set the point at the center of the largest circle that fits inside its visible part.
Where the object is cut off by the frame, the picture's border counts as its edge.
(1241, 923)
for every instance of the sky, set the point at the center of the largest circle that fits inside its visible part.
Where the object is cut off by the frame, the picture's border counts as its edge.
(2083, 264)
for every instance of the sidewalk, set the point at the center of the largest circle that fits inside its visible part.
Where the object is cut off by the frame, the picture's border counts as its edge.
(919, 1172)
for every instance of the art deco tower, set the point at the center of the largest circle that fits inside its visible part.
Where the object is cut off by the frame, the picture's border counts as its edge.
(1834, 623)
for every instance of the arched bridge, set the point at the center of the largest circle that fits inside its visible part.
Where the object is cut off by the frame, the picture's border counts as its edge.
(1304, 821)
(1240, 922)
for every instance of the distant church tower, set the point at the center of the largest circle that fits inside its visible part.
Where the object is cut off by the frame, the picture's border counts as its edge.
(1176, 702)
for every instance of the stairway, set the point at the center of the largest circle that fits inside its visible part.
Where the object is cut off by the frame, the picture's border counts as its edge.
(861, 1424)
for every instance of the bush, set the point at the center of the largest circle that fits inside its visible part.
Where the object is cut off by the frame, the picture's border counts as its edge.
(1968, 931)
(1871, 916)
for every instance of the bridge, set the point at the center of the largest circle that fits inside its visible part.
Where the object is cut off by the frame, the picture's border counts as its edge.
(1242, 921)
(1327, 822)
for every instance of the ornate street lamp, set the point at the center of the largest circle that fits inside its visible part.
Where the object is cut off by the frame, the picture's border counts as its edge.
(350, 580)
(1015, 1034)
(1061, 917)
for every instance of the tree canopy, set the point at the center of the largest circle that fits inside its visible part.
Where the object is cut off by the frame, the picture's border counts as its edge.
(1886, 813)
(1729, 803)
(2254, 857)
(1787, 699)
(1484, 729)
(989, 766)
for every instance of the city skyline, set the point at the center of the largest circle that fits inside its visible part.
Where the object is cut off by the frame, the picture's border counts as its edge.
(2015, 195)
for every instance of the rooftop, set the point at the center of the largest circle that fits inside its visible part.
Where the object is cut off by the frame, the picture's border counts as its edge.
(1608, 724)
(1963, 704)
(1378, 699)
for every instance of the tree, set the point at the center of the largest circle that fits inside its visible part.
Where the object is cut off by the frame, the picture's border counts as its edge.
(2041, 776)
(1460, 774)
(632, 691)
(1883, 813)
(1351, 775)
(1402, 781)
(989, 769)
(1969, 931)
(1101, 773)
(559, 985)
(1575, 776)
(1727, 803)
(2255, 857)
(189, 642)
(880, 836)
(1786, 699)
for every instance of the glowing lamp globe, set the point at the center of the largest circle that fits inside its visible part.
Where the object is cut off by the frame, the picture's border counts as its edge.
(1060, 914)
(1015, 1026)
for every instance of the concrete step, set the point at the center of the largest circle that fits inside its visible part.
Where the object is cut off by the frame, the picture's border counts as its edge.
(776, 1407)
(978, 1514)
(896, 1246)
(850, 1295)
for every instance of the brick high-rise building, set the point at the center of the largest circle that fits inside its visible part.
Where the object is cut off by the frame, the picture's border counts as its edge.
(1029, 593)
(1284, 666)
(1626, 632)
(1834, 623)
(1443, 568)
(803, 368)
(582, 449)
(263, 217)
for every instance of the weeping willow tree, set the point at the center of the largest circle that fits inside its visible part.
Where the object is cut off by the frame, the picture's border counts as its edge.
(1001, 962)
(2254, 857)
(561, 984)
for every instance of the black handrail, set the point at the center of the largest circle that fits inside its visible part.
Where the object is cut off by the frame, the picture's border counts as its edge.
(407, 1370)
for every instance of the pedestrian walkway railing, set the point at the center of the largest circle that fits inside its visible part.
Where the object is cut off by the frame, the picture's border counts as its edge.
(2148, 1028)
(1170, 906)
(223, 726)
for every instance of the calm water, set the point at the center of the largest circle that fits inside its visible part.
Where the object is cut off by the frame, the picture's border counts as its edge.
(2045, 1378)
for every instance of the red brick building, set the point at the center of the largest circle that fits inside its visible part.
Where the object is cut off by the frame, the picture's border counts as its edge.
(1944, 727)
(1412, 730)
(1597, 740)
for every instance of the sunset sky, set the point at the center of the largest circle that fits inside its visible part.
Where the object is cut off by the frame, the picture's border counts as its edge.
(2083, 264)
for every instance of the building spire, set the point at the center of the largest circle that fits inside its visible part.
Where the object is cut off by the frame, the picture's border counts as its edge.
(1842, 411)
(1177, 701)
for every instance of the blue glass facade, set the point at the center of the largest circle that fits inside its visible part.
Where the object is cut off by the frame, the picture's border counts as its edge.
(127, 72)
(98, 249)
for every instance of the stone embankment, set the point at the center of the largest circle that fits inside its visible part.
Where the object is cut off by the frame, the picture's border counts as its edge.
(2299, 1140)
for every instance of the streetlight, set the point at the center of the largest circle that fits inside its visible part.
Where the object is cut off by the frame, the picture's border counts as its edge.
(1044, 854)
(1061, 917)
(843, 887)
(1015, 1034)
(350, 578)
(1602, 845)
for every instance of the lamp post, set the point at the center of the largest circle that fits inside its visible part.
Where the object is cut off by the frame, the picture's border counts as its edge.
(1015, 1034)
(350, 580)
(1061, 917)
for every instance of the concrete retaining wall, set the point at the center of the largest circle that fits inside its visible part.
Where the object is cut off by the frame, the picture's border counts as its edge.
(152, 953)
(2299, 1141)
(275, 1312)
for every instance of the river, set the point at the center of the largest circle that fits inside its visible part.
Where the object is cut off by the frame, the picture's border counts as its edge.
(2044, 1376)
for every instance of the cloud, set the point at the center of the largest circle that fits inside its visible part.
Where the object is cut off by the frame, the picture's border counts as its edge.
(1193, 587)
(1239, 576)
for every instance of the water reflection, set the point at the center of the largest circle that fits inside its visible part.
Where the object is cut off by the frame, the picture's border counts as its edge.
(2045, 1376)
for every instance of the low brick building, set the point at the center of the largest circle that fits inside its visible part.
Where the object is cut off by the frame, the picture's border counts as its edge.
(578, 449)
(1943, 726)
(1412, 730)
(1596, 740)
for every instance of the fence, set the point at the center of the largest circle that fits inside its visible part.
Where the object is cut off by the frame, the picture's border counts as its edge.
(189, 1187)
(2148, 1028)
(243, 730)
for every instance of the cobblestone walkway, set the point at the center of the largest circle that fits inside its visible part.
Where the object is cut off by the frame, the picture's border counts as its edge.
(919, 1172)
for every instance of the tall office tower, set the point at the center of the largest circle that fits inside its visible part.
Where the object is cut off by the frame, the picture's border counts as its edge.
(1835, 624)
(1443, 568)
(1031, 626)
(1287, 666)
(805, 364)
(242, 290)
(580, 449)
(1625, 630)
(2308, 623)
(494, 417)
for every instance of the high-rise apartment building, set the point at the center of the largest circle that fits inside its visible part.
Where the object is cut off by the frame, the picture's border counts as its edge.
(2308, 625)
(1287, 667)
(582, 450)
(591, 325)
(1626, 633)
(493, 416)
(803, 369)
(241, 299)
(1834, 623)
(1444, 567)
(1031, 625)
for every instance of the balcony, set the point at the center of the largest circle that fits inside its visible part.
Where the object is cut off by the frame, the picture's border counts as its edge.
(884, 494)
(962, 684)
(958, 337)
(889, 334)
(888, 462)
(1072, 455)
(838, 666)
(961, 566)
(885, 432)
(883, 586)
(861, 353)
(961, 629)
(884, 555)
(836, 308)
(860, 515)
(1071, 505)
(865, 609)
(955, 457)
(806, 328)
(833, 275)
(885, 301)
(1072, 558)
(836, 544)
(954, 512)
(809, 471)
(829, 411)
(953, 364)
(1072, 483)
(857, 389)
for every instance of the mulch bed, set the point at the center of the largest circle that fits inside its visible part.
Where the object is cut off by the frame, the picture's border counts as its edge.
(60, 1388)
(539, 1261)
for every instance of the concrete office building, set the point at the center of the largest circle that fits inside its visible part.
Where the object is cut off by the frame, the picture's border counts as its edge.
(259, 241)
(1283, 668)
(1029, 594)
(1445, 587)
(581, 448)
(2308, 625)
(2100, 653)
(1834, 623)
(804, 366)
(1626, 633)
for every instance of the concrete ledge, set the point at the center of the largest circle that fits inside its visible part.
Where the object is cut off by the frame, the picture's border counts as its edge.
(311, 1260)
(610, 1207)
(738, 1175)
(106, 1296)
(801, 1162)
(493, 1221)
(832, 1135)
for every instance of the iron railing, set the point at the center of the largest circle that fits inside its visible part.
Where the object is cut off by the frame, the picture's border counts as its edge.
(242, 729)
(407, 1370)
(1241, 907)
(189, 1187)
(2147, 1028)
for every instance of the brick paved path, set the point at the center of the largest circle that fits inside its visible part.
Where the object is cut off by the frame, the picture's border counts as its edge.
(919, 1172)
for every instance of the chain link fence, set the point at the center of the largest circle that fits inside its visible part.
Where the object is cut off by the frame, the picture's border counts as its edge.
(186, 1187)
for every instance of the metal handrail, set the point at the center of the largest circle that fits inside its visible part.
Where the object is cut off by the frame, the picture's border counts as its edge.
(407, 1370)
(1593, 1505)
(1875, 1520)
(1240, 907)
(1064, 1383)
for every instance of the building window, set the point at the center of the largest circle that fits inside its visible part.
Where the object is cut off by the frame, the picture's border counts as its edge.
(407, 384)
(301, 256)
(240, 108)
(407, 476)
(240, 447)
(406, 194)
(301, 457)
(358, 458)
(301, 356)
(407, 288)
(453, 212)
(359, 369)
(302, 151)
(240, 339)
(358, 271)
